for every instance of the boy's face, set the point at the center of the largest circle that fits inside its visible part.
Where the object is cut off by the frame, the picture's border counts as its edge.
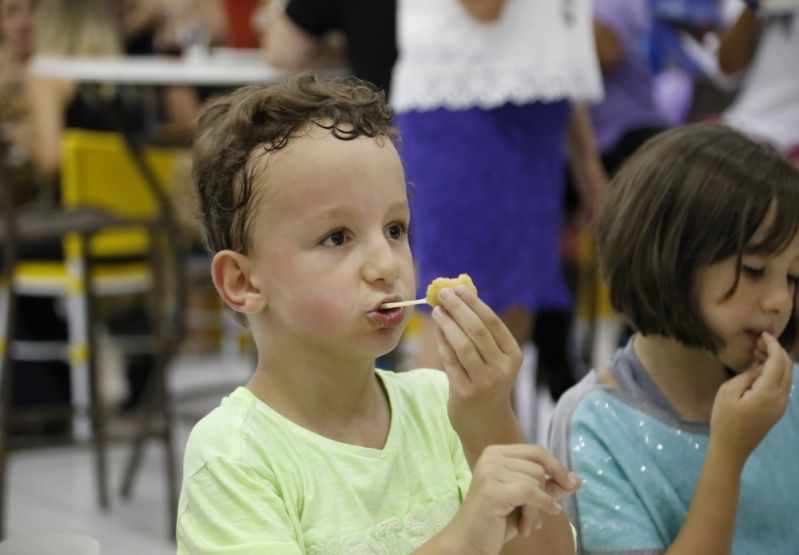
(763, 301)
(330, 245)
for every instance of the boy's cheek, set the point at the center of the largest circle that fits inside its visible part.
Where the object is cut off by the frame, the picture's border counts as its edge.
(322, 310)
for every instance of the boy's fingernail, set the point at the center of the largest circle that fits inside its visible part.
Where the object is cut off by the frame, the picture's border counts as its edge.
(462, 290)
(557, 507)
(437, 312)
(445, 293)
(574, 480)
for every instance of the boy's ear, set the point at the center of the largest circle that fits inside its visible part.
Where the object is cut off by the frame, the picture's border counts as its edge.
(232, 275)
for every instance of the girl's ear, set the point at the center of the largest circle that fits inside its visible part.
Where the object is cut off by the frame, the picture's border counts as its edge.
(232, 275)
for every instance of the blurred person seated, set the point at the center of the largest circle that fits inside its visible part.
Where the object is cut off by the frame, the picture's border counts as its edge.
(16, 47)
(67, 28)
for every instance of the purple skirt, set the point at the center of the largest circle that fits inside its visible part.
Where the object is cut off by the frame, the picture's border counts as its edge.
(486, 190)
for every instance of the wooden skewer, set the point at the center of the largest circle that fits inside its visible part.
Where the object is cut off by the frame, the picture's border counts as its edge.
(402, 303)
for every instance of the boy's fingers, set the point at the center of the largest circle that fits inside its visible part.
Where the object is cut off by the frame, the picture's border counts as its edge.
(449, 359)
(459, 344)
(556, 491)
(551, 465)
(502, 335)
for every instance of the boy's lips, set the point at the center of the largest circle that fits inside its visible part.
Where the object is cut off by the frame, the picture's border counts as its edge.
(388, 318)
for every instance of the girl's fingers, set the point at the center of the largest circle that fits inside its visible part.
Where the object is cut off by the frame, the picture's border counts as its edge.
(741, 383)
(775, 367)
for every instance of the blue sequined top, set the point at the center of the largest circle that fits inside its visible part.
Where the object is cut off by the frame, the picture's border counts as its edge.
(640, 462)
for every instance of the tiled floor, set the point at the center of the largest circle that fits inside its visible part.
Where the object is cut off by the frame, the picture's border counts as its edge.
(51, 491)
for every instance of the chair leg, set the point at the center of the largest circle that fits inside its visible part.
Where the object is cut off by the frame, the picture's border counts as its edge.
(157, 402)
(85, 386)
(7, 332)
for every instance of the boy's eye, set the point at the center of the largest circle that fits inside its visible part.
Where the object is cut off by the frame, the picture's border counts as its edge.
(397, 231)
(793, 280)
(335, 239)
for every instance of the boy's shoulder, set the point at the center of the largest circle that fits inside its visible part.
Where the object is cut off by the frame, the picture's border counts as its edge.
(221, 433)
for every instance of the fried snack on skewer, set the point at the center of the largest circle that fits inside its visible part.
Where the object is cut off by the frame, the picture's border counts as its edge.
(435, 286)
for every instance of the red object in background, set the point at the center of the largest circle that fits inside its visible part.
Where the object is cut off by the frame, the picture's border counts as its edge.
(239, 17)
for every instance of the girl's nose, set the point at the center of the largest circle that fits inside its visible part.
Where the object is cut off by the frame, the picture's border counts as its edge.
(780, 298)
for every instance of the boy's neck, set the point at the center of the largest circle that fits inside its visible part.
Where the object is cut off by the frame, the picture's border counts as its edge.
(348, 405)
(688, 377)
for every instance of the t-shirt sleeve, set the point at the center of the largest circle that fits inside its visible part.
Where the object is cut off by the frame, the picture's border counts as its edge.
(316, 17)
(230, 509)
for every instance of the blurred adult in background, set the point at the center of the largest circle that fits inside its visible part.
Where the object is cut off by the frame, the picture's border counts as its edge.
(762, 46)
(16, 47)
(488, 95)
(75, 28)
(319, 34)
(628, 115)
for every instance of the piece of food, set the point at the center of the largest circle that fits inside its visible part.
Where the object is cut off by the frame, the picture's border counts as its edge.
(440, 283)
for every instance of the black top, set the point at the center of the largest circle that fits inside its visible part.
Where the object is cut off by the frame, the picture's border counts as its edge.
(370, 28)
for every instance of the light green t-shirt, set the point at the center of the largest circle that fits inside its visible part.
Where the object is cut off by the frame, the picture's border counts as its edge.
(255, 482)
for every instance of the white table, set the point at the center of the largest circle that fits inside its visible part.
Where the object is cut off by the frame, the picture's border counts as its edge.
(221, 67)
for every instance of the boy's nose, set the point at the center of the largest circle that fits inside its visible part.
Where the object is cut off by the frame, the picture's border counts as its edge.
(381, 263)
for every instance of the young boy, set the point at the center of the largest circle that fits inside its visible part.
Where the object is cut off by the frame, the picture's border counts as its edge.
(304, 205)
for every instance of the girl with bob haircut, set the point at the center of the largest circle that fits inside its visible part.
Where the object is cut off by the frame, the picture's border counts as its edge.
(683, 441)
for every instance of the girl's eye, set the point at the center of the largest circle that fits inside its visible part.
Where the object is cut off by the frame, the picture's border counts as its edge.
(752, 272)
(793, 280)
(397, 231)
(335, 239)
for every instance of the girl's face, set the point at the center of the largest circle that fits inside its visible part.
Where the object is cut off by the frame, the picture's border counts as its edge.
(330, 245)
(763, 301)
(16, 26)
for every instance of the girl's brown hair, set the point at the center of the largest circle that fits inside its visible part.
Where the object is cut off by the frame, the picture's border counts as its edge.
(688, 198)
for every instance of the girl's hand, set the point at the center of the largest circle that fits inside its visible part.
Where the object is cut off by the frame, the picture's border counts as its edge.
(748, 405)
(481, 358)
(511, 486)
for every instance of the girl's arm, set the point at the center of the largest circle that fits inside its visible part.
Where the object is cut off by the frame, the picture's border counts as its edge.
(745, 409)
(484, 10)
(739, 43)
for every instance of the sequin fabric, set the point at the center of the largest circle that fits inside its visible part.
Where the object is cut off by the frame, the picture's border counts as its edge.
(640, 463)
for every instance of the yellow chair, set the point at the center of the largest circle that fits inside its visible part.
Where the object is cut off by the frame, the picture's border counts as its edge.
(598, 323)
(131, 254)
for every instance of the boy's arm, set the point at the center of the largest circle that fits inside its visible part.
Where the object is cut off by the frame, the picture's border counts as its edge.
(482, 358)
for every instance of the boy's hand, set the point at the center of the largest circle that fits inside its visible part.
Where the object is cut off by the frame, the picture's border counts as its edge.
(481, 358)
(748, 405)
(511, 485)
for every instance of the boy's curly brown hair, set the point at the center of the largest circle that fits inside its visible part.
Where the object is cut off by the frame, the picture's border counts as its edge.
(262, 119)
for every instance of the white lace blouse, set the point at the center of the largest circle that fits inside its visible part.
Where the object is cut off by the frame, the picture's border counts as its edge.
(536, 50)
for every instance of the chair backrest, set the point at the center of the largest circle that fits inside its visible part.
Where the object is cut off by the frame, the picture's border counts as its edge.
(98, 171)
